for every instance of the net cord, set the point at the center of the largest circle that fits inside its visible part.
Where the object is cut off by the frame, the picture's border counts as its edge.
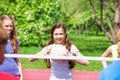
(61, 57)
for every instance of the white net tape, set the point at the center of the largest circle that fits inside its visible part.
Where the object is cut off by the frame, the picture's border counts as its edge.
(61, 57)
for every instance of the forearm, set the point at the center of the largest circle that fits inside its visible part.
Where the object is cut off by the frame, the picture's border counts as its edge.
(20, 69)
(41, 53)
(104, 64)
(82, 62)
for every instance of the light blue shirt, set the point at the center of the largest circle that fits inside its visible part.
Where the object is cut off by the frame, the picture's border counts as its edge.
(60, 70)
(9, 65)
(111, 72)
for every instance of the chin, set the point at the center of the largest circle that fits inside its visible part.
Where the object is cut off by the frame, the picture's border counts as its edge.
(8, 32)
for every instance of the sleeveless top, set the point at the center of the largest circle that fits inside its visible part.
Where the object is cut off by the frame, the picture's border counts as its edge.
(114, 51)
(9, 65)
(60, 70)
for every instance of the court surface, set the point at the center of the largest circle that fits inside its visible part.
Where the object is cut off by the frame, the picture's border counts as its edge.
(43, 74)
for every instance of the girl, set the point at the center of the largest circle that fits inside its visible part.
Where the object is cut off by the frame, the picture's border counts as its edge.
(10, 65)
(113, 50)
(60, 70)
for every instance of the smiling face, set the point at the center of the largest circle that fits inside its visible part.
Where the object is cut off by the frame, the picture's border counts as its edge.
(8, 25)
(59, 35)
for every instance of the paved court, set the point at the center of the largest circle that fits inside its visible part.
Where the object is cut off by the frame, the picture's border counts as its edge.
(43, 74)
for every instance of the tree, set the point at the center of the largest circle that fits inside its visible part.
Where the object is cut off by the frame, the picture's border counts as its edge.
(33, 18)
(111, 30)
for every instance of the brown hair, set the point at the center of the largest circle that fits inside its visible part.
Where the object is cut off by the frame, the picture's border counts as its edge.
(118, 40)
(3, 37)
(67, 43)
(13, 35)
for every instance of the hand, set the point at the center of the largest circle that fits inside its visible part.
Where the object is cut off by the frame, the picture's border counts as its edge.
(32, 60)
(68, 54)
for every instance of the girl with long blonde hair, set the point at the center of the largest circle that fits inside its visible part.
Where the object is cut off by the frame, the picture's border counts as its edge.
(11, 65)
(113, 50)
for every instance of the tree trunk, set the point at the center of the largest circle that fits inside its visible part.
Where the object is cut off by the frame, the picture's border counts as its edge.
(100, 23)
(117, 17)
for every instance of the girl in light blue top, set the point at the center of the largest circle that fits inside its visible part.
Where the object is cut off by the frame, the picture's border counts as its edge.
(60, 45)
(10, 65)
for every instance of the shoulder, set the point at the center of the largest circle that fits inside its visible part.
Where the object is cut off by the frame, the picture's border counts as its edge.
(113, 46)
(48, 47)
(110, 49)
(73, 49)
(73, 46)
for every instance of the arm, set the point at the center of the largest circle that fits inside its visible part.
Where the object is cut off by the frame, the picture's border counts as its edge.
(37, 54)
(106, 54)
(43, 52)
(83, 62)
(19, 62)
(20, 69)
(75, 52)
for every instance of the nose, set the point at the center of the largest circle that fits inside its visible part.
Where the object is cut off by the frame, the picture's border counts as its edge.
(58, 36)
(9, 27)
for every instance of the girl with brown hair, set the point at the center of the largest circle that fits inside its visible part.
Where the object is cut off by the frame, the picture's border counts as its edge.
(59, 43)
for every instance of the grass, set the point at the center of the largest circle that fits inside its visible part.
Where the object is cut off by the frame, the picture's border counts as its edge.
(89, 45)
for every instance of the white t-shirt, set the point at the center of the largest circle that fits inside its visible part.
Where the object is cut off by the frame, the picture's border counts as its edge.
(60, 69)
(114, 51)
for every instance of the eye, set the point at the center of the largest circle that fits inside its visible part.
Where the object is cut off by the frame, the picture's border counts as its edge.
(6, 25)
(11, 25)
(56, 34)
(61, 33)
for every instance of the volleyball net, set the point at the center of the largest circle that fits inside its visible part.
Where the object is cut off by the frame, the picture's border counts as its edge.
(61, 57)
(90, 72)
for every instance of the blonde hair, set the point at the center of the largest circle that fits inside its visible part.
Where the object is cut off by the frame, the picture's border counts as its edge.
(13, 35)
(118, 40)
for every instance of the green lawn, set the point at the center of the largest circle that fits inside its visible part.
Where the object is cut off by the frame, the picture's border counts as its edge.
(89, 45)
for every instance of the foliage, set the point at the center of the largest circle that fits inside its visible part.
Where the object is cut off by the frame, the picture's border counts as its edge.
(33, 18)
(80, 16)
